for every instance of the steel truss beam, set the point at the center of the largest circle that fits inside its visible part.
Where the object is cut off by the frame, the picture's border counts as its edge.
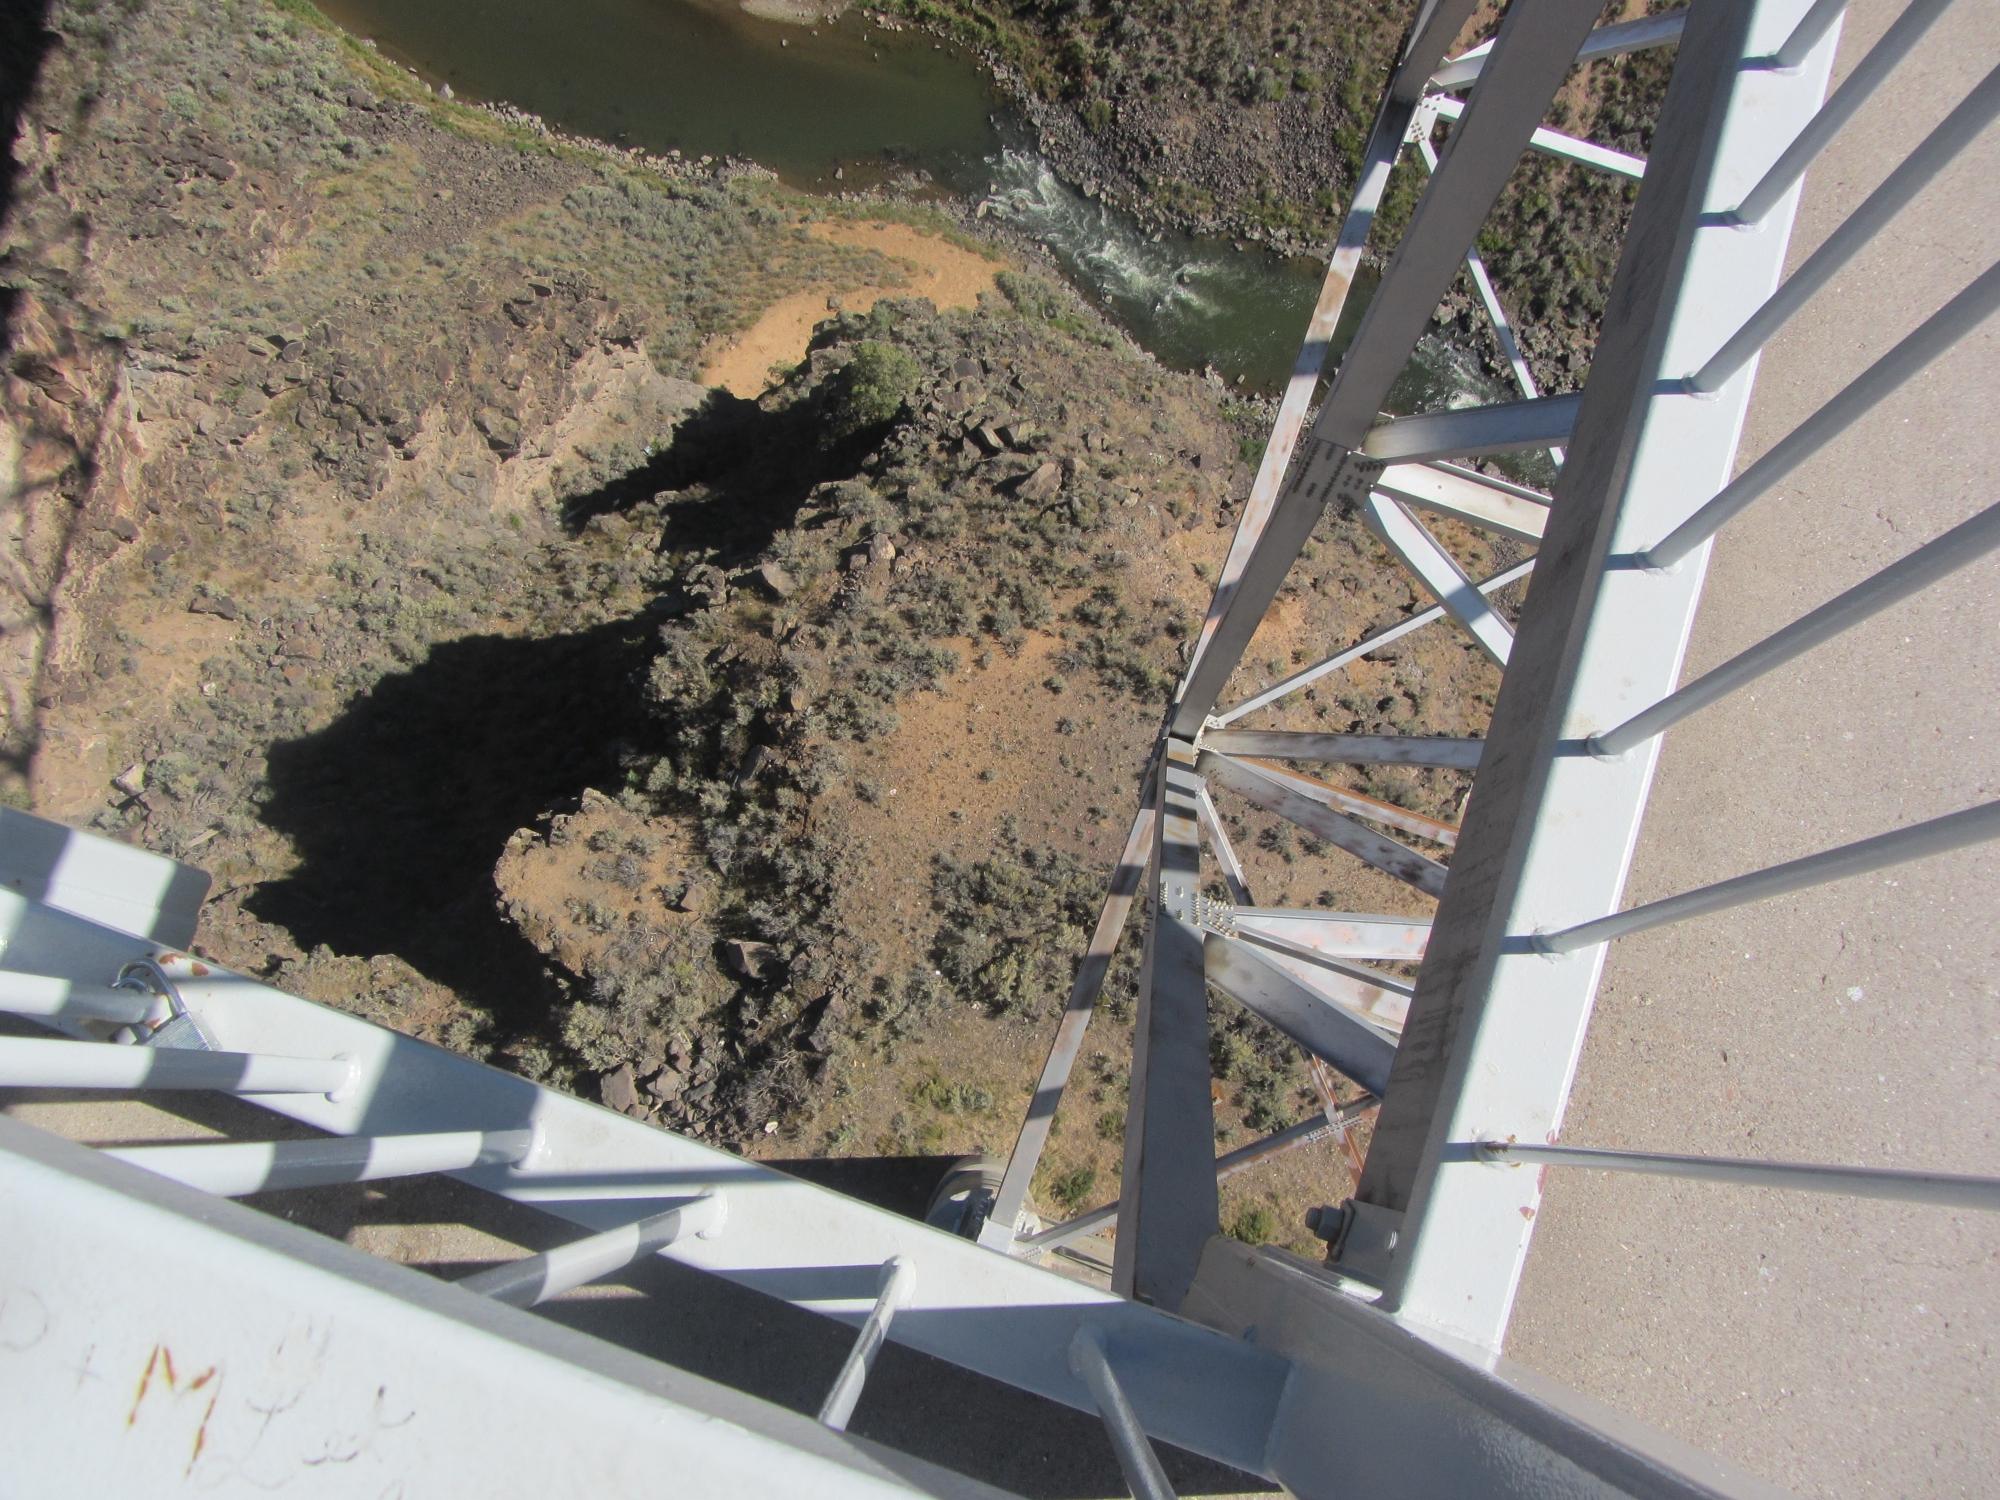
(1275, 792)
(1347, 749)
(1168, 1204)
(997, 1231)
(1440, 574)
(1493, 505)
(1327, 1030)
(1555, 143)
(1503, 427)
(1606, 41)
(1494, 1028)
(1338, 934)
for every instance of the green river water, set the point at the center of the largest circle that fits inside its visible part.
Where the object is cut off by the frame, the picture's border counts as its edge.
(845, 104)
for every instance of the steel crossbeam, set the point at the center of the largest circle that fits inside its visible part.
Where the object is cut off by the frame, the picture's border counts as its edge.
(1512, 510)
(1276, 793)
(1439, 572)
(1326, 1029)
(813, 1248)
(1555, 143)
(997, 1231)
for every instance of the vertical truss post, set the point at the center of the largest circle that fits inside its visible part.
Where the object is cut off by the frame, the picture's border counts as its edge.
(1168, 1205)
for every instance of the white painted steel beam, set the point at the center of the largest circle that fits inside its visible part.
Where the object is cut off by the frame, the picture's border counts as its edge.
(1814, 133)
(1276, 795)
(1606, 41)
(1347, 749)
(1495, 1028)
(1168, 1202)
(160, 1340)
(1531, 54)
(1889, 1184)
(1385, 144)
(898, 1277)
(1367, 994)
(1440, 573)
(1355, 805)
(998, 1230)
(1438, 25)
(1415, 1415)
(49, 998)
(1327, 1030)
(1473, 498)
(31, 1063)
(805, 1245)
(1226, 1166)
(1464, 431)
(234, 1168)
(1339, 934)
(1555, 143)
(1233, 874)
(126, 889)
(1141, 1465)
(1371, 642)
(1938, 150)
(534, 1279)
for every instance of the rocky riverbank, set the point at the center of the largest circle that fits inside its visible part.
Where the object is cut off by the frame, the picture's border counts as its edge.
(1248, 122)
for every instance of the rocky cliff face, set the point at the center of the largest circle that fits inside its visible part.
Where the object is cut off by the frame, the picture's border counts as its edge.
(747, 765)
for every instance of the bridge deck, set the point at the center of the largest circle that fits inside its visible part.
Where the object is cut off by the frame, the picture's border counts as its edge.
(1832, 1346)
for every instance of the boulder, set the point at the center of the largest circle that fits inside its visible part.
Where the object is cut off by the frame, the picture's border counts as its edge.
(619, 1090)
(748, 958)
(1043, 484)
(777, 580)
(502, 432)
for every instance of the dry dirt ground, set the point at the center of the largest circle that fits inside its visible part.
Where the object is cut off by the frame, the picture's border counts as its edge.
(932, 267)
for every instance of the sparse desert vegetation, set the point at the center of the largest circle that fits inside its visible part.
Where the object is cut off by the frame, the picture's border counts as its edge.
(749, 765)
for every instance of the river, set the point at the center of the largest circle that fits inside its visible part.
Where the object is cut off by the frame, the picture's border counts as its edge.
(847, 104)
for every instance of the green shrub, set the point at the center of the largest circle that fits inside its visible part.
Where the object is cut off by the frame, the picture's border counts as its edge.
(871, 390)
(1070, 1190)
(1254, 1225)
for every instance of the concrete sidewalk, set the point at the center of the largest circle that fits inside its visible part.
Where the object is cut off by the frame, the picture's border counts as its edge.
(1830, 1346)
